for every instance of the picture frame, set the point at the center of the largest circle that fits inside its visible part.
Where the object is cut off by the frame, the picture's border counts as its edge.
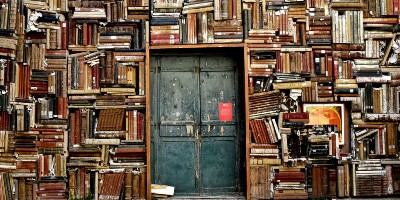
(328, 114)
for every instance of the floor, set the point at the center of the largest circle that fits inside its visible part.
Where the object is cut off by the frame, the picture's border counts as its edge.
(242, 198)
(207, 198)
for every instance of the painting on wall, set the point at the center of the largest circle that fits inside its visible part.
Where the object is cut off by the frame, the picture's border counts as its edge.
(327, 114)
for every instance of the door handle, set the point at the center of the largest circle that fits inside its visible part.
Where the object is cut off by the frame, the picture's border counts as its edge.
(200, 137)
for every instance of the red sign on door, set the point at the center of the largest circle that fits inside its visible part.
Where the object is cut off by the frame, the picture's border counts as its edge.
(225, 111)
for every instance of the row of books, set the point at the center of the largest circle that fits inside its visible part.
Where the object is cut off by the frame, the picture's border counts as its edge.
(106, 110)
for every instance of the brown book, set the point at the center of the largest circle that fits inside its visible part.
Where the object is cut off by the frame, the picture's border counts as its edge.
(26, 165)
(95, 77)
(72, 130)
(57, 168)
(395, 83)
(84, 126)
(142, 183)
(254, 187)
(128, 185)
(382, 117)
(81, 182)
(77, 135)
(348, 47)
(49, 144)
(165, 37)
(165, 41)
(325, 181)
(316, 182)
(340, 181)
(130, 149)
(135, 184)
(21, 189)
(332, 183)
(109, 68)
(263, 131)
(72, 182)
(349, 54)
(292, 85)
(392, 138)
(255, 136)
(296, 195)
(395, 75)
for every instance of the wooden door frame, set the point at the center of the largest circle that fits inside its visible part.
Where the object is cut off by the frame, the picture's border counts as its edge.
(198, 50)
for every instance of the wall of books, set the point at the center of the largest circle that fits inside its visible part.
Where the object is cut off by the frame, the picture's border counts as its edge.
(72, 101)
(322, 93)
(323, 98)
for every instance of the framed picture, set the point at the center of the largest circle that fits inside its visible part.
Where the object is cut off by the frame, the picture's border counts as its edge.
(327, 114)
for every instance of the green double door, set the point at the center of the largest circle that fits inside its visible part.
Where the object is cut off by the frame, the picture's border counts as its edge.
(196, 134)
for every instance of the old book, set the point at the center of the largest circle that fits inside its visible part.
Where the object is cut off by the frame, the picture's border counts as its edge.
(384, 117)
(102, 141)
(128, 185)
(296, 117)
(292, 85)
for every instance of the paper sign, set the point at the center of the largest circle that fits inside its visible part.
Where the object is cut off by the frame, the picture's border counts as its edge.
(225, 111)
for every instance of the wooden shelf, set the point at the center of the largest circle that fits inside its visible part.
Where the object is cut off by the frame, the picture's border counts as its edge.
(196, 46)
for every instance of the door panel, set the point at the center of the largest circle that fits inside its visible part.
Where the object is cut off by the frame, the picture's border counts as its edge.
(215, 88)
(217, 159)
(178, 109)
(176, 160)
(193, 150)
(177, 96)
(218, 145)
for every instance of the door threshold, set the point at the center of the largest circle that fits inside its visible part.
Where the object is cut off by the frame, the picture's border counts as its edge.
(222, 197)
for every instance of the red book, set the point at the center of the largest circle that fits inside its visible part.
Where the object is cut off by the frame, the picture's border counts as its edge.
(166, 37)
(140, 125)
(26, 165)
(294, 116)
(94, 76)
(336, 67)
(73, 129)
(82, 181)
(64, 35)
(130, 150)
(85, 34)
(51, 140)
(54, 192)
(329, 65)
(72, 30)
(89, 34)
(60, 108)
(3, 120)
(49, 144)
(4, 50)
(304, 62)
(279, 62)
(58, 186)
(35, 35)
(165, 41)
(136, 99)
(65, 108)
(396, 6)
